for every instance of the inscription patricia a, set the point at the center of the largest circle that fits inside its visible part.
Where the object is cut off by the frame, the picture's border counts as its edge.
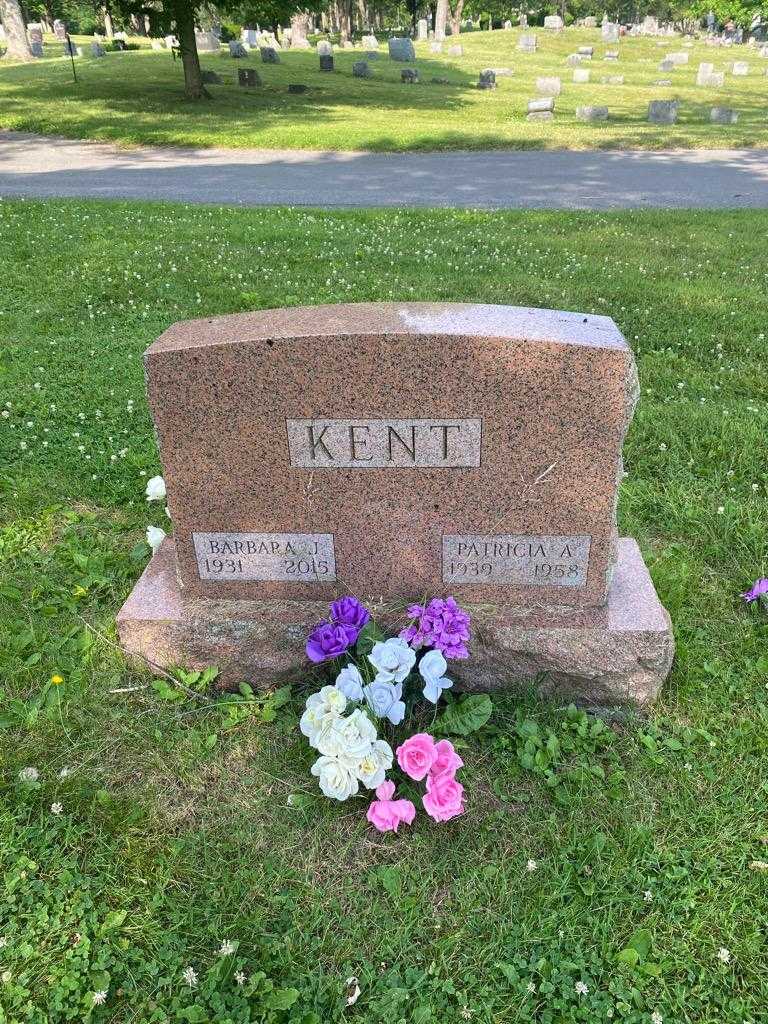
(379, 444)
(285, 557)
(516, 560)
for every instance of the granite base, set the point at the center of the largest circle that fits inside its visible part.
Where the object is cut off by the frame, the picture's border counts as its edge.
(618, 654)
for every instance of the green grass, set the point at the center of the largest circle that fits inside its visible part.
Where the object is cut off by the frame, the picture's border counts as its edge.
(137, 97)
(177, 832)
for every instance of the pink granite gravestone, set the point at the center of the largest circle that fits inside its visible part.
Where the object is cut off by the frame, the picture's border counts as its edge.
(394, 451)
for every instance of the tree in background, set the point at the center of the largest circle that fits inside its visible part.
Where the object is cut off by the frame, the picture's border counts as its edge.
(18, 47)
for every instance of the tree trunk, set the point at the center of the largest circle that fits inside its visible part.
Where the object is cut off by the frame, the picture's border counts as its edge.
(456, 18)
(299, 29)
(441, 17)
(109, 28)
(15, 31)
(184, 16)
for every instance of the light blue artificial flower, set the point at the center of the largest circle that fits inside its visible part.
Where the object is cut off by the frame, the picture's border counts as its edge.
(431, 668)
(350, 682)
(393, 660)
(384, 700)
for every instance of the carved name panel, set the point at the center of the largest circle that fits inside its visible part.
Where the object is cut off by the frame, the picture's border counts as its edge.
(380, 444)
(286, 557)
(528, 560)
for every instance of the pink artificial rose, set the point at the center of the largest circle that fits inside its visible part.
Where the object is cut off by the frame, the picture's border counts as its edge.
(447, 760)
(444, 798)
(417, 755)
(385, 814)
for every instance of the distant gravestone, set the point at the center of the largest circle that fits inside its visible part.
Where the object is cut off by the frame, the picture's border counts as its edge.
(663, 82)
(36, 48)
(211, 78)
(409, 76)
(663, 111)
(714, 81)
(248, 78)
(296, 88)
(740, 68)
(678, 58)
(326, 61)
(704, 71)
(157, 44)
(435, 47)
(610, 32)
(554, 23)
(401, 49)
(611, 55)
(370, 42)
(613, 80)
(171, 41)
(507, 26)
(60, 29)
(723, 115)
(70, 50)
(590, 22)
(580, 75)
(422, 30)
(324, 48)
(586, 52)
(548, 86)
(97, 50)
(573, 60)
(527, 43)
(667, 65)
(269, 55)
(249, 36)
(589, 113)
(360, 69)
(236, 49)
(35, 32)
(439, 80)
(207, 42)
(456, 51)
(541, 109)
(487, 79)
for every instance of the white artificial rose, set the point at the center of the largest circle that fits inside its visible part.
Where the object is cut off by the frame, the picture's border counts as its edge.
(155, 537)
(347, 738)
(350, 682)
(336, 780)
(393, 660)
(432, 669)
(372, 769)
(322, 709)
(155, 489)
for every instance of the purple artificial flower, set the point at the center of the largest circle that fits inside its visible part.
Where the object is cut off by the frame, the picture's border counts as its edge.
(327, 641)
(441, 624)
(759, 589)
(348, 613)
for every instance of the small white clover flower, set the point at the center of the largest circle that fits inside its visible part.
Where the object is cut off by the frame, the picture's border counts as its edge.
(581, 988)
(530, 987)
(65, 772)
(656, 1018)
(3, 941)
(56, 808)
(724, 955)
(240, 977)
(29, 775)
(648, 896)
(531, 865)
(99, 998)
(189, 974)
(227, 948)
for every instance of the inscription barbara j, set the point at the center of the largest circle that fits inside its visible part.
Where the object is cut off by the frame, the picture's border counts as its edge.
(516, 560)
(286, 557)
(379, 444)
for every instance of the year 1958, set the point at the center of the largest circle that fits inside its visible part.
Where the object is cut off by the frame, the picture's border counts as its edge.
(543, 570)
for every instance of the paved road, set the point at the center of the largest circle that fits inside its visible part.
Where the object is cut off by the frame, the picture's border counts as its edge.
(31, 165)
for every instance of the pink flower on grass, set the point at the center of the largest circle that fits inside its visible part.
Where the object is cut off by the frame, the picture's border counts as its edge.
(444, 798)
(417, 755)
(447, 761)
(385, 814)
(758, 590)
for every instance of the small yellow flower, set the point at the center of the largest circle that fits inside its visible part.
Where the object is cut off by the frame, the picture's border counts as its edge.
(57, 680)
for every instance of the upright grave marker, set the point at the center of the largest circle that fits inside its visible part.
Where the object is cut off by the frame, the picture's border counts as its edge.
(393, 451)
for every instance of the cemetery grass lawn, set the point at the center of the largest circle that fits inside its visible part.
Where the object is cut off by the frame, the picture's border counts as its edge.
(186, 825)
(136, 97)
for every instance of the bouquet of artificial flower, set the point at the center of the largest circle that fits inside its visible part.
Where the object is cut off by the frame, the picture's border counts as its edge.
(378, 683)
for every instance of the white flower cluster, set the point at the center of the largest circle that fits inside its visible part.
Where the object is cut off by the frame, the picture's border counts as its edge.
(350, 752)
